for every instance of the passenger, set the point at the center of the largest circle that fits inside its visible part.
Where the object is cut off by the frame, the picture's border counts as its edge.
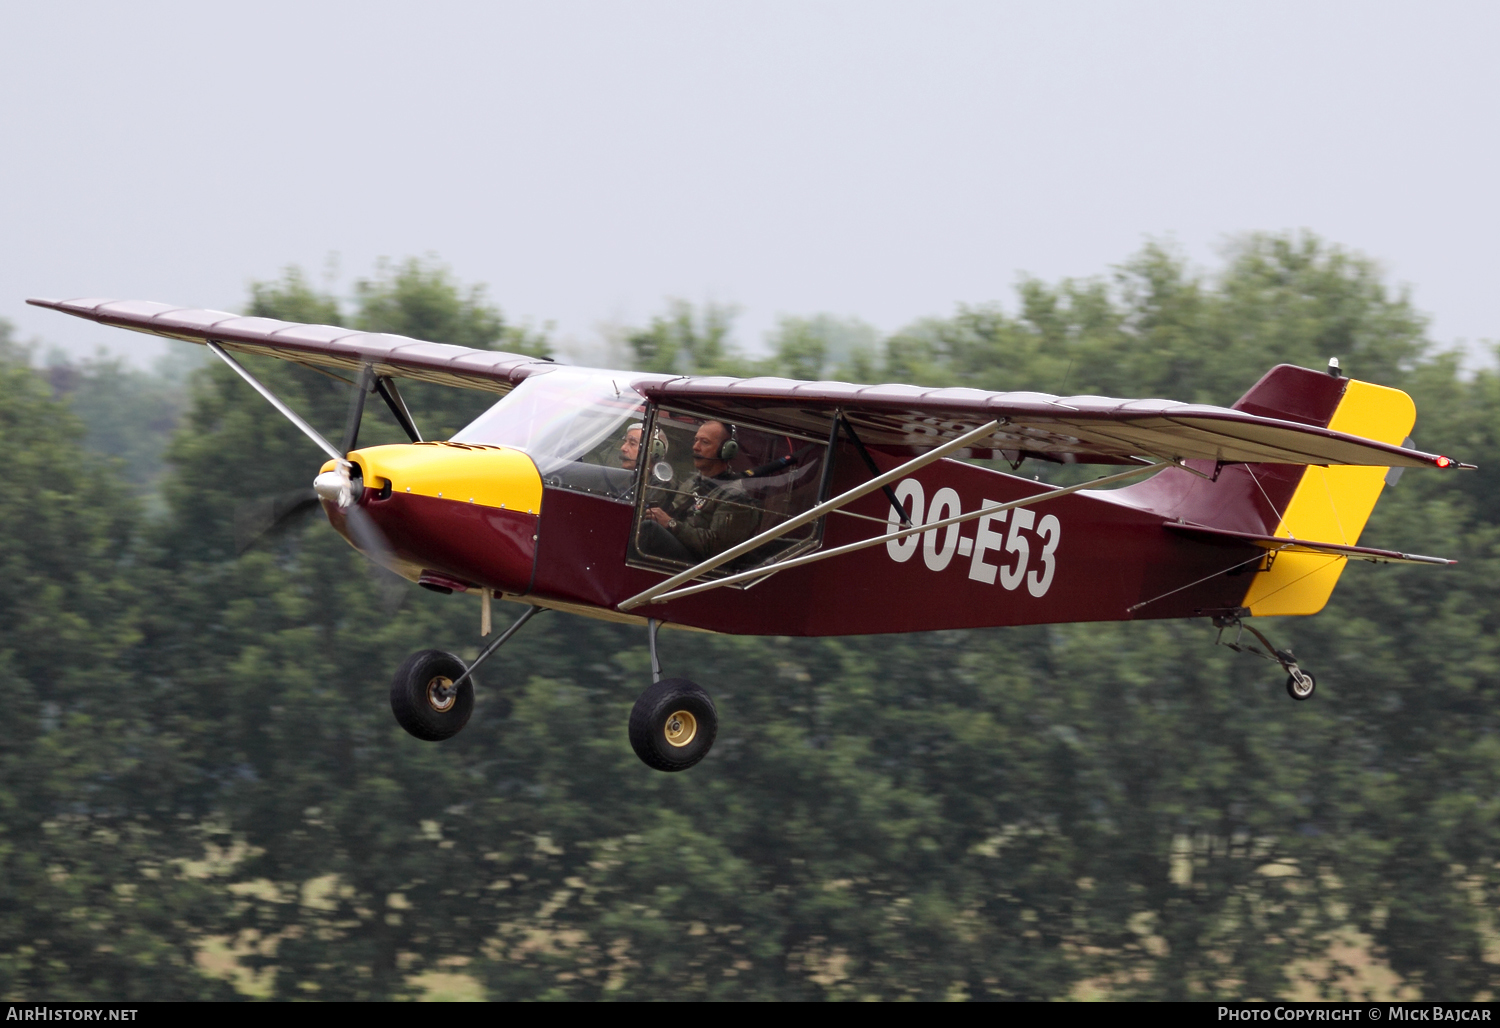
(711, 515)
(630, 460)
(630, 448)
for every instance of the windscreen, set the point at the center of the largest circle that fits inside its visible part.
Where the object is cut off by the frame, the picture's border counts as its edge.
(562, 419)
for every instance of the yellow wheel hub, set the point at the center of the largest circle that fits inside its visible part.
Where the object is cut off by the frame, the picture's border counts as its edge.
(440, 694)
(680, 729)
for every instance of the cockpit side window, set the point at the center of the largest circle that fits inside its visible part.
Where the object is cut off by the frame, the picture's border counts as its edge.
(711, 484)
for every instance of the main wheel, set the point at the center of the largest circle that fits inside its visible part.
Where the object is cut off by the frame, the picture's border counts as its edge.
(673, 725)
(424, 699)
(1301, 692)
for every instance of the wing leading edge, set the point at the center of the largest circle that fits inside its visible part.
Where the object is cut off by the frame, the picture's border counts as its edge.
(1076, 429)
(327, 347)
(1081, 429)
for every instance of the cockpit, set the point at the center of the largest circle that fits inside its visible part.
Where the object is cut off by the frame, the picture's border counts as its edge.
(697, 482)
(570, 423)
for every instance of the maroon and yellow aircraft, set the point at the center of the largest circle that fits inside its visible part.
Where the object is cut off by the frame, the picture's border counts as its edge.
(711, 503)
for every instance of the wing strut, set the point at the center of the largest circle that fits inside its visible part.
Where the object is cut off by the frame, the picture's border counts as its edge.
(812, 558)
(357, 406)
(386, 386)
(890, 494)
(792, 524)
(275, 401)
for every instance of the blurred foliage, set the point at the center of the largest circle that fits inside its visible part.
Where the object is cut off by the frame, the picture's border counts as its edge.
(824, 347)
(128, 414)
(93, 901)
(1155, 328)
(200, 764)
(688, 342)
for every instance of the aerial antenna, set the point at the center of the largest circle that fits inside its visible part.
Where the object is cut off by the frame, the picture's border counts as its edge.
(1065, 376)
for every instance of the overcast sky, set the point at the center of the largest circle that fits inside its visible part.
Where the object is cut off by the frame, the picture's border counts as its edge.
(589, 160)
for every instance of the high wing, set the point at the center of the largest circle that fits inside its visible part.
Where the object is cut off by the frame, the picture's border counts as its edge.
(1073, 429)
(322, 347)
(897, 418)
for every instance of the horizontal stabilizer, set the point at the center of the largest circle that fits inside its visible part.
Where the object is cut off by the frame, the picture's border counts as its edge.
(1278, 542)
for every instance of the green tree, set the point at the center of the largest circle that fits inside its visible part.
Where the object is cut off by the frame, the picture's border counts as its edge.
(93, 893)
(287, 652)
(1156, 328)
(685, 341)
(1041, 812)
(823, 346)
(128, 414)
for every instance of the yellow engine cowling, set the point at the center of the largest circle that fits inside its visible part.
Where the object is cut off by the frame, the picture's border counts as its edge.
(490, 476)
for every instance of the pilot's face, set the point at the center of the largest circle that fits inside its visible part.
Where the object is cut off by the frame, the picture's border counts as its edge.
(706, 443)
(630, 450)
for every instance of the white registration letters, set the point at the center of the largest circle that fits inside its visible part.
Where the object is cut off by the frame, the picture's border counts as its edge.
(909, 492)
(1001, 549)
(945, 505)
(987, 539)
(1021, 519)
(1050, 529)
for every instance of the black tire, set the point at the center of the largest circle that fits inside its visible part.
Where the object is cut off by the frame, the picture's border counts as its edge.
(673, 725)
(422, 698)
(1298, 694)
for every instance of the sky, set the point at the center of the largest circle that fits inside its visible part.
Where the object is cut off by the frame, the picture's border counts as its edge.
(587, 161)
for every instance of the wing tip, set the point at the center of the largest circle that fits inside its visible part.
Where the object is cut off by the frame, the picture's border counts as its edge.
(38, 301)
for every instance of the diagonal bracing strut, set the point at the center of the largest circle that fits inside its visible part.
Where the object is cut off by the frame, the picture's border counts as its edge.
(812, 514)
(998, 508)
(530, 613)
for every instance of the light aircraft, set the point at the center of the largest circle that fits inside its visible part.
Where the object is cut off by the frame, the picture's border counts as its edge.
(713, 503)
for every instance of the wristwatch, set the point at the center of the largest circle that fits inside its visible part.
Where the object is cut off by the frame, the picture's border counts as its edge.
(671, 524)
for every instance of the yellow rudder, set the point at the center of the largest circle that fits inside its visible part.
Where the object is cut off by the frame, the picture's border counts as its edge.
(1332, 505)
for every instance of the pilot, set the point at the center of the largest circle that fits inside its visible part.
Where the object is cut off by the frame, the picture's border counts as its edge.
(711, 515)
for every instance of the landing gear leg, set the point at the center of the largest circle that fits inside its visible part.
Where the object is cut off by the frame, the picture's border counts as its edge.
(652, 627)
(1299, 684)
(432, 694)
(674, 723)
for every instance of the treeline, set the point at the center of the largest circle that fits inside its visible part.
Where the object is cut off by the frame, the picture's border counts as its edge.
(204, 793)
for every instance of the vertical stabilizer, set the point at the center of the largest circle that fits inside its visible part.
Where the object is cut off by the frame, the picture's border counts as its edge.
(1323, 504)
(1332, 504)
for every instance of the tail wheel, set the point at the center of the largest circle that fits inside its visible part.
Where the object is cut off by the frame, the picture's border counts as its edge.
(1301, 690)
(424, 699)
(673, 725)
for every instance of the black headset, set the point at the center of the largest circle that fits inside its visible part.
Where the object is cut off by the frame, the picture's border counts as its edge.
(729, 448)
